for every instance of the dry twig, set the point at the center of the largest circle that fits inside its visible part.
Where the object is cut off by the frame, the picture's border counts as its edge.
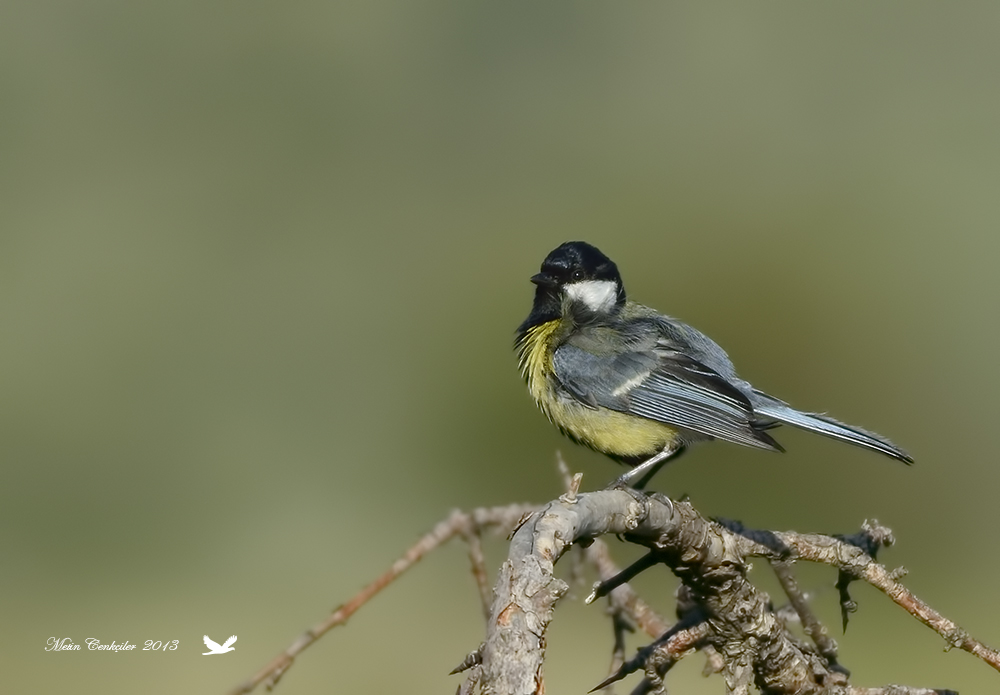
(710, 559)
(722, 614)
(458, 523)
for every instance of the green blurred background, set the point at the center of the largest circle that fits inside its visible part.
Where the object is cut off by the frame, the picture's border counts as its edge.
(261, 263)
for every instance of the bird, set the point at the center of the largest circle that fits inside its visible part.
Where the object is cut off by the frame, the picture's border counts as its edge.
(637, 385)
(217, 648)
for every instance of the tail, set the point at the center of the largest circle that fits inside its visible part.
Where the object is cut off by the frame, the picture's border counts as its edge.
(821, 424)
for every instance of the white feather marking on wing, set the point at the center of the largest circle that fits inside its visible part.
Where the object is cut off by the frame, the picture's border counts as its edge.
(629, 385)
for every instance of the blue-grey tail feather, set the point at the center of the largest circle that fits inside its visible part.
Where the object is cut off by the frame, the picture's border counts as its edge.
(827, 426)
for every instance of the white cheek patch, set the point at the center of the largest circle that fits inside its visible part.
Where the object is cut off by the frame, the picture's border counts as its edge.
(596, 295)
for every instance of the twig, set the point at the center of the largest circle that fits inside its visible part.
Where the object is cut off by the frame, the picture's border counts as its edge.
(628, 611)
(677, 642)
(855, 561)
(605, 587)
(646, 619)
(501, 517)
(708, 557)
(810, 623)
(620, 625)
(711, 561)
(564, 471)
(478, 562)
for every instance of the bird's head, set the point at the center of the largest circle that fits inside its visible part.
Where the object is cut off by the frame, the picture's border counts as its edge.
(578, 276)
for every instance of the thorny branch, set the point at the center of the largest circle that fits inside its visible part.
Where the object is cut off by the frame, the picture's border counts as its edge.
(710, 558)
(458, 523)
(721, 613)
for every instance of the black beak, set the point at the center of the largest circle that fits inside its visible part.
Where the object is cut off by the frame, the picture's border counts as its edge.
(544, 280)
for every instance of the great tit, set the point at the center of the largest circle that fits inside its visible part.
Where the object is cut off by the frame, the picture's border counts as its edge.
(639, 386)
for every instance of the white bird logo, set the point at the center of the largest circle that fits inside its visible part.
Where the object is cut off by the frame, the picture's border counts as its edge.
(219, 648)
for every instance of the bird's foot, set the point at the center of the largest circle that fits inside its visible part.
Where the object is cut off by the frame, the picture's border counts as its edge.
(640, 496)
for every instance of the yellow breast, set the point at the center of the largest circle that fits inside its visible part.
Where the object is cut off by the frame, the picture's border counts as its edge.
(608, 431)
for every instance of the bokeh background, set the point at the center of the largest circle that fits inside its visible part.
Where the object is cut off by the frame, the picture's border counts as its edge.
(261, 263)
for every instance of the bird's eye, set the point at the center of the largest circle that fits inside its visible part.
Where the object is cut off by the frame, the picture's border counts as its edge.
(577, 274)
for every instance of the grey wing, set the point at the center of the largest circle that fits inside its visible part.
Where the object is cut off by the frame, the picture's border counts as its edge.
(662, 385)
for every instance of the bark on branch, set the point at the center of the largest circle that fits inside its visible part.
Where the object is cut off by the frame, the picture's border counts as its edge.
(721, 613)
(458, 523)
(726, 611)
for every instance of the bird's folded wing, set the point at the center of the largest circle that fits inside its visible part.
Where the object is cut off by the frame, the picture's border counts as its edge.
(663, 385)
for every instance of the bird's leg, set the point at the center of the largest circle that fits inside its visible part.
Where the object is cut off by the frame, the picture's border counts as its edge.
(642, 473)
(675, 451)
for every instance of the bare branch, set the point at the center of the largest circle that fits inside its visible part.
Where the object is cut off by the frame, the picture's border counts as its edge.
(856, 562)
(722, 613)
(710, 558)
(626, 575)
(646, 619)
(458, 522)
(666, 651)
(526, 589)
(810, 623)
(472, 536)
